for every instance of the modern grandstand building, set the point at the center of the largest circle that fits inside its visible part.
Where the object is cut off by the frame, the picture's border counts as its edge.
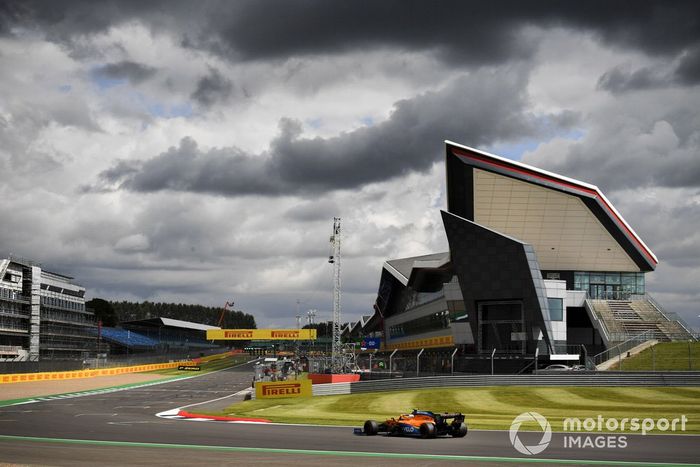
(43, 317)
(42, 314)
(538, 263)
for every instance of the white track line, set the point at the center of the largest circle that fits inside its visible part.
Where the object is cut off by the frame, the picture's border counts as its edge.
(173, 413)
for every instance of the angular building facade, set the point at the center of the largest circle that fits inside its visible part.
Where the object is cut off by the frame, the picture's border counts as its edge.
(42, 314)
(538, 263)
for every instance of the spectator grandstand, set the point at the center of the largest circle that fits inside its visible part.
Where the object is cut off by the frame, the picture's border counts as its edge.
(122, 339)
(172, 334)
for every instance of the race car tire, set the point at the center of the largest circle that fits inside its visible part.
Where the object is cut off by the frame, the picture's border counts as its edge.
(371, 428)
(459, 431)
(427, 430)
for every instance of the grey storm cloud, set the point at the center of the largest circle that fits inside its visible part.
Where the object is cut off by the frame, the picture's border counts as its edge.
(619, 80)
(11, 13)
(689, 69)
(315, 210)
(212, 88)
(474, 32)
(482, 108)
(132, 71)
(630, 154)
(463, 32)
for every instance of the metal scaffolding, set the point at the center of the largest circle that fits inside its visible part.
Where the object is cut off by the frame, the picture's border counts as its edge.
(337, 357)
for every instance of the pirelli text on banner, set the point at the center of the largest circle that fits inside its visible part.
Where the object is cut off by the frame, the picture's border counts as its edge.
(283, 389)
(261, 334)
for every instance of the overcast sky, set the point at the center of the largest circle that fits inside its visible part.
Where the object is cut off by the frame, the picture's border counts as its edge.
(197, 152)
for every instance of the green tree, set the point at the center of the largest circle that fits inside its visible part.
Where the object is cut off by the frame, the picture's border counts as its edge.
(323, 329)
(103, 311)
(128, 311)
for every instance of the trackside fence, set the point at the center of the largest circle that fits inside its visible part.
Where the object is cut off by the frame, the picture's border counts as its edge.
(577, 379)
(623, 347)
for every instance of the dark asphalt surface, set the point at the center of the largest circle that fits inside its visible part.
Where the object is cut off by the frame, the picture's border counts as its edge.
(129, 416)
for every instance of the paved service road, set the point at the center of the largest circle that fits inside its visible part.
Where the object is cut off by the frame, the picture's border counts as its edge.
(127, 417)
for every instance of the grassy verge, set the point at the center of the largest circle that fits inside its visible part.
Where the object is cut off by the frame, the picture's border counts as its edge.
(666, 356)
(486, 408)
(206, 367)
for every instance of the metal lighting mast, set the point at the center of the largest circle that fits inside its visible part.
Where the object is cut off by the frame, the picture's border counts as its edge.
(337, 350)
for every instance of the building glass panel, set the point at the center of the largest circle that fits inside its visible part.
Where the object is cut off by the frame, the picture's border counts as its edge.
(611, 285)
(628, 278)
(581, 280)
(597, 278)
(612, 278)
(432, 322)
(499, 325)
(556, 309)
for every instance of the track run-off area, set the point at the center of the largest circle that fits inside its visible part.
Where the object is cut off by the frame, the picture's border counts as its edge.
(120, 427)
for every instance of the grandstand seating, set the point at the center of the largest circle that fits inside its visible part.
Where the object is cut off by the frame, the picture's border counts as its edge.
(174, 337)
(125, 338)
(623, 319)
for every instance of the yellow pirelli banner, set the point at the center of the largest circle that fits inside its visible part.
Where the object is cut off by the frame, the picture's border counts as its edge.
(261, 334)
(430, 342)
(282, 389)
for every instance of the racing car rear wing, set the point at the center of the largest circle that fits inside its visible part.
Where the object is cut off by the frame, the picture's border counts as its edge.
(459, 417)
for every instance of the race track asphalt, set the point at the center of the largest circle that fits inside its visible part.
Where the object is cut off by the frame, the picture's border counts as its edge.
(125, 421)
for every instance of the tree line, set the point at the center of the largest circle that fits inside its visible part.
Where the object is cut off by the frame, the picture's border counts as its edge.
(323, 329)
(112, 313)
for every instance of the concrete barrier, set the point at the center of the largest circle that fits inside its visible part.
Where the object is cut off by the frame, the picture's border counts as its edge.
(330, 389)
(322, 378)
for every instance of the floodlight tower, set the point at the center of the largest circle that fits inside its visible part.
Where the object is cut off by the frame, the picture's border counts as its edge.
(337, 350)
(310, 316)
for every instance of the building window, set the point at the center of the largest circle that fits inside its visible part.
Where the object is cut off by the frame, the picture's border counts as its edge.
(597, 278)
(556, 309)
(612, 278)
(501, 327)
(611, 285)
(581, 281)
(432, 322)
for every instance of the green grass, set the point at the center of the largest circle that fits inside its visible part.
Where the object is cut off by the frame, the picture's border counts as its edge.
(213, 365)
(669, 356)
(485, 408)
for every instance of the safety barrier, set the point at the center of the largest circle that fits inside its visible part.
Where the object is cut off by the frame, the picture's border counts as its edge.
(63, 375)
(568, 379)
(331, 389)
(218, 356)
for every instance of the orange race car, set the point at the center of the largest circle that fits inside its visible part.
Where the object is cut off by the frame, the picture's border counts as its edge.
(418, 423)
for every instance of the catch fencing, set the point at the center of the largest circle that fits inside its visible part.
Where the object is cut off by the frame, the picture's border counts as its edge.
(667, 356)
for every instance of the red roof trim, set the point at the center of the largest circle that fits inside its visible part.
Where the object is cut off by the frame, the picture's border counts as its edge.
(596, 194)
